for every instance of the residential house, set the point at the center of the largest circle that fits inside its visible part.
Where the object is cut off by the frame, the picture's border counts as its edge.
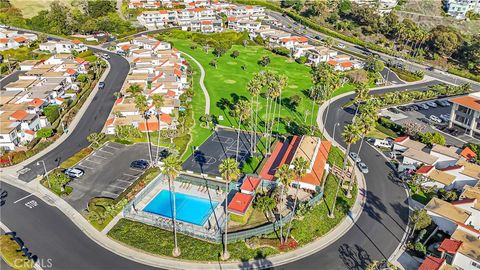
(446, 215)
(403, 143)
(418, 158)
(461, 250)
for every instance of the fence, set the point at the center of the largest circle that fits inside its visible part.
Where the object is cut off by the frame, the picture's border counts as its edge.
(139, 197)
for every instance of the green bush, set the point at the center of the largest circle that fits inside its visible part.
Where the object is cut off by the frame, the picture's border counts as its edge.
(281, 51)
(465, 74)
(44, 133)
(52, 112)
(301, 60)
(407, 75)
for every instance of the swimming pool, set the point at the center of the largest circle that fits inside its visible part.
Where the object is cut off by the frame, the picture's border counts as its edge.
(190, 209)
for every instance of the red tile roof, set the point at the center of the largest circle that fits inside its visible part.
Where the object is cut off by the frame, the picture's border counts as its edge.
(36, 102)
(80, 60)
(431, 263)
(206, 22)
(109, 121)
(250, 183)
(178, 72)
(153, 125)
(166, 118)
(29, 131)
(283, 153)
(468, 153)
(118, 101)
(71, 71)
(450, 245)
(171, 93)
(463, 201)
(4, 40)
(332, 62)
(125, 47)
(424, 169)
(295, 39)
(240, 203)
(400, 139)
(76, 41)
(316, 174)
(467, 101)
(20, 39)
(19, 115)
(347, 64)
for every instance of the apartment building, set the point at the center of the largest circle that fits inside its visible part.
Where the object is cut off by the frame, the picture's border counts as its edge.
(11, 39)
(459, 8)
(63, 46)
(465, 114)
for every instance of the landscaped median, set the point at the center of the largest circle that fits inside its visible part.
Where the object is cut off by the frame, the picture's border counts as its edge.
(12, 254)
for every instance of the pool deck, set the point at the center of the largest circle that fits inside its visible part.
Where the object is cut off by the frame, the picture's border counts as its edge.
(180, 187)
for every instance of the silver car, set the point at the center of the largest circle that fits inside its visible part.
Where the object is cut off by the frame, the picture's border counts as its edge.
(363, 167)
(355, 157)
(74, 172)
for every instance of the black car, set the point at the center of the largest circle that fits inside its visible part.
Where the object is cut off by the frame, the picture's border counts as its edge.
(139, 164)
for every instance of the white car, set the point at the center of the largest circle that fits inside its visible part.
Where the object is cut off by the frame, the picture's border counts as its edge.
(445, 117)
(432, 104)
(341, 45)
(106, 56)
(435, 118)
(355, 157)
(423, 106)
(74, 172)
(363, 167)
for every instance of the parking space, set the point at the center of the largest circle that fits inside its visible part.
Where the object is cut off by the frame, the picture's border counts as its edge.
(107, 172)
(430, 118)
(220, 145)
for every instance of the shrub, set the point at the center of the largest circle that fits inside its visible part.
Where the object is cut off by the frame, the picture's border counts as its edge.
(281, 51)
(421, 249)
(431, 138)
(301, 60)
(264, 61)
(44, 133)
(52, 112)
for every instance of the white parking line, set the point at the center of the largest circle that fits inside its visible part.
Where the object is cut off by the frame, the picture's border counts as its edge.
(81, 165)
(137, 170)
(125, 181)
(122, 188)
(109, 146)
(23, 198)
(101, 150)
(94, 154)
(114, 194)
(88, 159)
(135, 176)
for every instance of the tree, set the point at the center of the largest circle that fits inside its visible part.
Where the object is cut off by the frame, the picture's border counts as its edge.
(58, 180)
(96, 139)
(301, 60)
(329, 42)
(264, 61)
(300, 166)
(171, 168)
(350, 135)
(134, 89)
(359, 76)
(432, 138)
(52, 112)
(99, 8)
(242, 112)
(281, 51)
(235, 54)
(230, 172)
(445, 40)
(285, 176)
(213, 63)
(374, 64)
(447, 195)
(266, 204)
(253, 87)
(344, 8)
(420, 219)
(44, 133)
(141, 104)
(158, 102)
(220, 49)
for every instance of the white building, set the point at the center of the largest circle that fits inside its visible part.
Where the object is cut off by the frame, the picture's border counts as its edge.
(459, 8)
(63, 46)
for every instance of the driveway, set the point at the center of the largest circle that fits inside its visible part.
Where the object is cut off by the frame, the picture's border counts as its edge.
(107, 173)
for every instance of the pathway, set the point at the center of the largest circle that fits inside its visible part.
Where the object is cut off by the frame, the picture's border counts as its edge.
(202, 84)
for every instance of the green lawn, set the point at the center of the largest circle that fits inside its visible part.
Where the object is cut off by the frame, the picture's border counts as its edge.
(9, 252)
(158, 241)
(229, 80)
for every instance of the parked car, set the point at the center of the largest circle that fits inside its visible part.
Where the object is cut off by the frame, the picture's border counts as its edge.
(423, 106)
(139, 164)
(415, 107)
(355, 157)
(370, 139)
(424, 120)
(74, 172)
(394, 110)
(101, 85)
(318, 38)
(106, 56)
(432, 104)
(445, 117)
(341, 45)
(363, 167)
(443, 103)
(403, 108)
(435, 118)
(383, 143)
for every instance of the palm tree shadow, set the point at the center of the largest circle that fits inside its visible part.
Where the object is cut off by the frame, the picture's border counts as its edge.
(260, 261)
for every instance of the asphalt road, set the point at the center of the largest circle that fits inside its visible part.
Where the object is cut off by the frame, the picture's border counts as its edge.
(50, 235)
(92, 121)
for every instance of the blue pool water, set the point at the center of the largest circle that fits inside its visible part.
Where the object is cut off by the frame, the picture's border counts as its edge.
(190, 209)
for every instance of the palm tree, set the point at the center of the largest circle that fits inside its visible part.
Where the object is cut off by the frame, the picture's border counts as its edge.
(158, 101)
(350, 135)
(171, 168)
(285, 176)
(142, 105)
(117, 94)
(134, 89)
(361, 92)
(300, 166)
(254, 88)
(230, 172)
(242, 112)
(365, 124)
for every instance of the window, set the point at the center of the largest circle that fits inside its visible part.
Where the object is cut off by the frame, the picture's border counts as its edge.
(1, 137)
(477, 265)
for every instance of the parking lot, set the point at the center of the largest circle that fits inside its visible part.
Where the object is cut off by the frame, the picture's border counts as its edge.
(423, 116)
(107, 173)
(220, 145)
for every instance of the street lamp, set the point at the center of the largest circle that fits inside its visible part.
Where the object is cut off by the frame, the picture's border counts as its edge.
(46, 172)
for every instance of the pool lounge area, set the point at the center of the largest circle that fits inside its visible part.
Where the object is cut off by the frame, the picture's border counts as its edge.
(200, 211)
